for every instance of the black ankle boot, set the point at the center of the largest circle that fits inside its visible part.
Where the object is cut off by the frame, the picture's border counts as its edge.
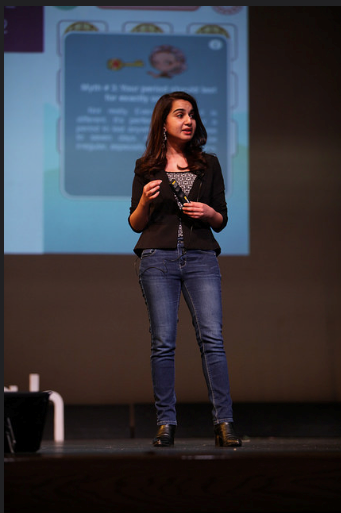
(164, 436)
(225, 435)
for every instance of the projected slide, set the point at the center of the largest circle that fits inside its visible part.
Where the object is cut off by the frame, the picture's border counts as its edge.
(111, 83)
(78, 102)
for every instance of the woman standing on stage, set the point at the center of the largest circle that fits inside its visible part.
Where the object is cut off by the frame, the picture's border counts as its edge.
(178, 197)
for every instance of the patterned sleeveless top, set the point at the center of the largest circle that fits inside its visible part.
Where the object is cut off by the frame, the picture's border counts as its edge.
(185, 179)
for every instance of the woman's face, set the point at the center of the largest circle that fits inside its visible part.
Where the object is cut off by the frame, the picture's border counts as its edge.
(180, 124)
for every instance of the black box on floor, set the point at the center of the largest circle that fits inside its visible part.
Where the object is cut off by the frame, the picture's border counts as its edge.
(24, 420)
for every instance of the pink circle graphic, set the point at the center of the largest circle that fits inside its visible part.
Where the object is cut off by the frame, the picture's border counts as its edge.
(228, 9)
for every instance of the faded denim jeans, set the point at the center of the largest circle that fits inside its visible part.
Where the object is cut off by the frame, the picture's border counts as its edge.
(163, 275)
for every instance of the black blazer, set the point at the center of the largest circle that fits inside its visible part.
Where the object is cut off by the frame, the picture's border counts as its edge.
(162, 229)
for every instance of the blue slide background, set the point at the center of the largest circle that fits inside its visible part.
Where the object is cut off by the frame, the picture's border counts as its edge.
(68, 167)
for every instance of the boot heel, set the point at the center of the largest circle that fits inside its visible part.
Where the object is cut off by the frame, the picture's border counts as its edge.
(165, 436)
(225, 435)
(218, 441)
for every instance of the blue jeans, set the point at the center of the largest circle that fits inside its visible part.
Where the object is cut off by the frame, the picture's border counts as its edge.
(163, 275)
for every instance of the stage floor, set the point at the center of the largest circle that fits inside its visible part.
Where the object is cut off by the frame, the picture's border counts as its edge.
(188, 446)
(130, 475)
(290, 461)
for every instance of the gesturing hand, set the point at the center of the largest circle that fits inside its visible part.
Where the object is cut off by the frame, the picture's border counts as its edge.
(150, 191)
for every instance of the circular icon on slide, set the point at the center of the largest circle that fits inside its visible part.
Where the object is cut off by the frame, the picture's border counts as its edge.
(215, 44)
(212, 29)
(147, 27)
(81, 26)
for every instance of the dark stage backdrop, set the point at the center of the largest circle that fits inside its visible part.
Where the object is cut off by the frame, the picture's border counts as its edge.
(79, 321)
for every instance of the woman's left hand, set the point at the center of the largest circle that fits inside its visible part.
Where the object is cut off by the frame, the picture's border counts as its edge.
(204, 212)
(198, 210)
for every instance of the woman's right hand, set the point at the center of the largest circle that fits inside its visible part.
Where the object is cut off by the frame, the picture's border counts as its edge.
(140, 217)
(150, 191)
